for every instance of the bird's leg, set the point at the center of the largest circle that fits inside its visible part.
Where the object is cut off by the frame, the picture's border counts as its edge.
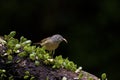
(52, 53)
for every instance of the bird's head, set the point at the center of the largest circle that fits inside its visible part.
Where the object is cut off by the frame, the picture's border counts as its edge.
(58, 38)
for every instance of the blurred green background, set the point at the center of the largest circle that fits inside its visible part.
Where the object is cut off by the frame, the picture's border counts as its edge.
(91, 28)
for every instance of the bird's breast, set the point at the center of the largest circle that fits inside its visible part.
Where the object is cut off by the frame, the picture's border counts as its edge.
(51, 46)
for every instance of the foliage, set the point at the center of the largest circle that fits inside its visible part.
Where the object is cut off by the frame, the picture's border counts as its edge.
(23, 49)
(103, 76)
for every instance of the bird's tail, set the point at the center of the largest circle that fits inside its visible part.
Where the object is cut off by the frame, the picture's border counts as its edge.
(37, 43)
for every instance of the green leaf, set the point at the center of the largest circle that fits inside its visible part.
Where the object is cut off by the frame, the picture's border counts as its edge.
(26, 77)
(27, 73)
(12, 34)
(22, 54)
(32, 56)
(103, 76)
(37, 63)
(12, 42)
(10, 57)
(11, 78)
(32, 78)
(22, 39)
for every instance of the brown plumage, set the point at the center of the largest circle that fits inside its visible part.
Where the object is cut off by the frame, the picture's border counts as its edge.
(52, 43)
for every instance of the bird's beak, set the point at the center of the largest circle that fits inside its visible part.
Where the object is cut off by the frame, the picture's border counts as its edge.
(65, 40)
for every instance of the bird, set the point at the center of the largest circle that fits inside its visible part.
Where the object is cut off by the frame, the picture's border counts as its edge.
(51, 43)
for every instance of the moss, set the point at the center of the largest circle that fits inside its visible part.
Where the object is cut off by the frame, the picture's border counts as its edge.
(90, 78)
(2, 71)
(37, 63)
(11, 78)
(34, 53)
(32, 56)
(47, 78)
(27, 75)
(23, 49)
(64, 78)
(22, 54)
(2, 74)
(9, 51)
(80, 75)
(64, 63)
(103, 76)
(10, 58)
(32, 78)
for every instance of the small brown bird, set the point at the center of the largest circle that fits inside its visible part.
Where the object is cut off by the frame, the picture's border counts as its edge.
(52, 43)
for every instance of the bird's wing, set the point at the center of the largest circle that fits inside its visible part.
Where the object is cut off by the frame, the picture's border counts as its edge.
(43, 40)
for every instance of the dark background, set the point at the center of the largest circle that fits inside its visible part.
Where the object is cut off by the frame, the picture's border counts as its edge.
(91, 28)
